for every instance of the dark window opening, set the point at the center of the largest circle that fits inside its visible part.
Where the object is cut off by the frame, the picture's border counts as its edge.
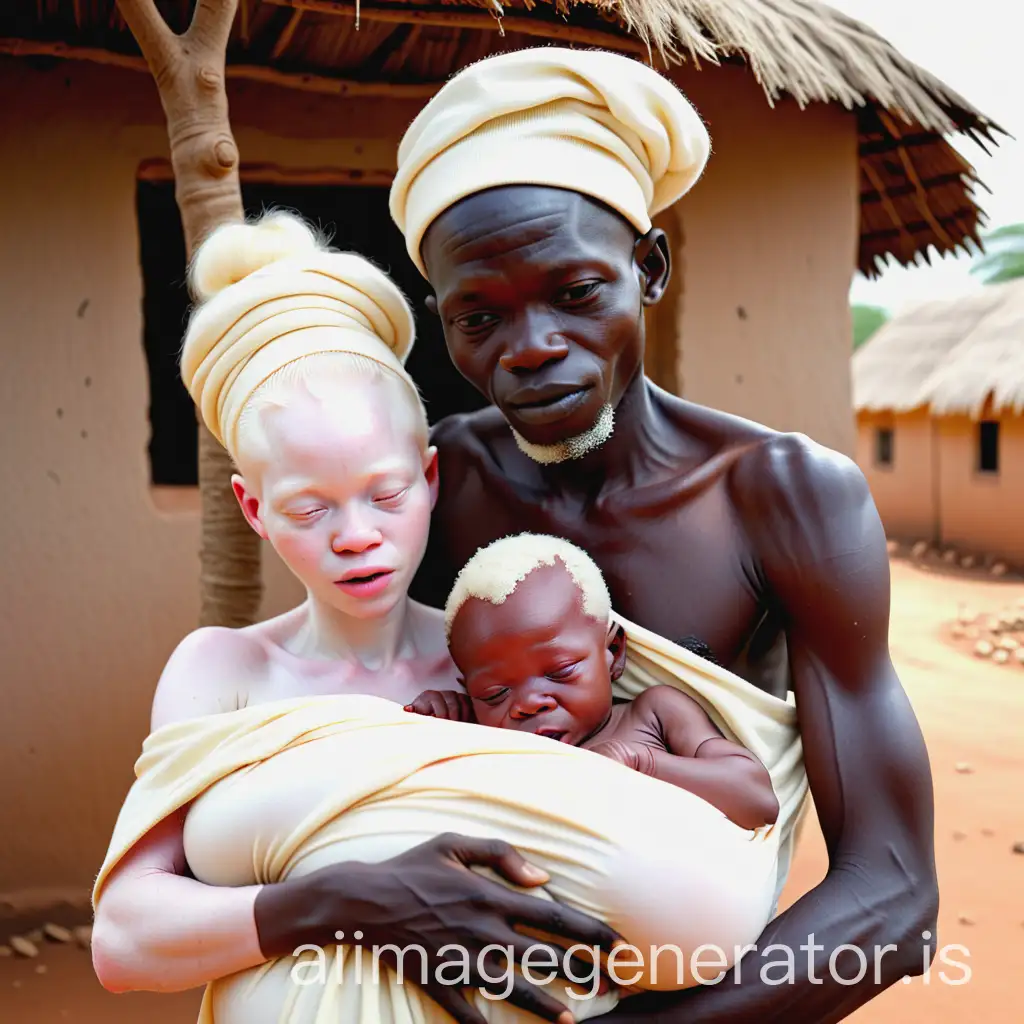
(884, 446)
(354, 218)
(988, 446)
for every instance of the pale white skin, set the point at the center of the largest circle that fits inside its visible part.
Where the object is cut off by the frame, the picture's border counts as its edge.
(335, 487)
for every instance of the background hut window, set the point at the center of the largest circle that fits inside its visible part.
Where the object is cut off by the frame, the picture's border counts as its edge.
(884, 446)
(988, 446)
(356, 218)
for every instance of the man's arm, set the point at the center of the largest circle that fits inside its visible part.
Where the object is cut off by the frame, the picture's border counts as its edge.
(822, 552)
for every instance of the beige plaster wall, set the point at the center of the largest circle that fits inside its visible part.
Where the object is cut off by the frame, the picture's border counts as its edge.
(905, 493)
(770, 244)
(100, 583)
(982, 512)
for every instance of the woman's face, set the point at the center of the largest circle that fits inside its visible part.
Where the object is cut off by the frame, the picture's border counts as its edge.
(343, 491)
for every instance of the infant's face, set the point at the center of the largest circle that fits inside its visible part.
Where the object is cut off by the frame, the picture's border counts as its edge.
(536, 662)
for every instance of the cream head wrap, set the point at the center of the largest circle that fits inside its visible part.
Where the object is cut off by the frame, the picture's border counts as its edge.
(272, 294)
(590, 121)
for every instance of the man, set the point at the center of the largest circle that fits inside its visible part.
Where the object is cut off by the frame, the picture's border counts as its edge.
(525, 190)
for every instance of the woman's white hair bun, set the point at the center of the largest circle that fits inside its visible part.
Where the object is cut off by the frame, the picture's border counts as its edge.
(234, 251)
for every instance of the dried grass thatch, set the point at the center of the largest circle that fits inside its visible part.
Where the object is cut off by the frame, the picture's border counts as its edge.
(916, 190)
(987, 368)
(954, 356)
(798, 47)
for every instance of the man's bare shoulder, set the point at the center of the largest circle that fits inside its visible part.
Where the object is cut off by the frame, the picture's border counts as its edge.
(716, 428)
(791, 488)
(207, 672)
(469, 433)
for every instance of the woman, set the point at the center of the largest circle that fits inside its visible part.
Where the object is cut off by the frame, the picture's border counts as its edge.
(282, 772)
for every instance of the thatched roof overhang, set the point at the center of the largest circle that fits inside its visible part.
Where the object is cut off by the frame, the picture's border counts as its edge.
(951, 357)
(917, 191)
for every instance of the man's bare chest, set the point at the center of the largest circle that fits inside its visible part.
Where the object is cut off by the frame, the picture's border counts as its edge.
(680, 569)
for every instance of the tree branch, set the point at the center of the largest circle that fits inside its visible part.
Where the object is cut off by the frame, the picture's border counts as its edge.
(158, 43)
(211, 26)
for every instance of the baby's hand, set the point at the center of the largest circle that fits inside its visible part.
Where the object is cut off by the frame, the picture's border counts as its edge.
(449, 704)
(637, 756)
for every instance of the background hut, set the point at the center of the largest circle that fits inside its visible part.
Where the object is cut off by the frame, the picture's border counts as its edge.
(939, 397)
(829, 154)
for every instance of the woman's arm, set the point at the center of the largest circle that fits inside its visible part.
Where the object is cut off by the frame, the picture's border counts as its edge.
(158, 930)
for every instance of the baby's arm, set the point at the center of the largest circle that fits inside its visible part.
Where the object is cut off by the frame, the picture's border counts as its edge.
(700, 759)
(453, 705)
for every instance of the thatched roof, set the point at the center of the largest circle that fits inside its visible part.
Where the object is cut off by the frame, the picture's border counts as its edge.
(950, 356)
(916, 190)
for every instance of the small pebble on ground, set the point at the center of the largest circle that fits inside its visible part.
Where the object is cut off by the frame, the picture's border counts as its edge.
(56, 933)
(24, 946)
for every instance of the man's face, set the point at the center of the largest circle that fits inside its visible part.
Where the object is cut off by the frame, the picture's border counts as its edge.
(541, 293)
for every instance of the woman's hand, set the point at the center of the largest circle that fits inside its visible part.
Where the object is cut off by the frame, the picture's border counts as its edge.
(449, 704)
(426, 900)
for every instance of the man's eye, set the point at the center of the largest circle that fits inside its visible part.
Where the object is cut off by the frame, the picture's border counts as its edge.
(578, 292)
(474, 322)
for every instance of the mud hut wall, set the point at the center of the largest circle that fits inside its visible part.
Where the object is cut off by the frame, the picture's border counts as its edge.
(771, 234)
(101, 577)
(905, 491)
(982, 512)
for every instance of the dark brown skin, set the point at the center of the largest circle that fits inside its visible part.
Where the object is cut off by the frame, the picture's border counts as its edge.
(765, 545)
(537, 663)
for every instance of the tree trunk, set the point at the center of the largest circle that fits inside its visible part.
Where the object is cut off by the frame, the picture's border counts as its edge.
(189, 74)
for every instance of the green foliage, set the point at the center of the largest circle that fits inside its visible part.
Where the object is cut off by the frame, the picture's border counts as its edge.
(866, 320)
(1004, 255)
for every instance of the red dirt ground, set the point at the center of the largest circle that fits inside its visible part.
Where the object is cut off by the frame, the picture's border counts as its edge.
(972, 713)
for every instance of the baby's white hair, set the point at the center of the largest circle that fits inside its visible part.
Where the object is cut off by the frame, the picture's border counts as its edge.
(495, 571)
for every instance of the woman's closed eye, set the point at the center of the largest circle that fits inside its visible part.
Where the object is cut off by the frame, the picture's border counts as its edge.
(391, 497)
(306, 515)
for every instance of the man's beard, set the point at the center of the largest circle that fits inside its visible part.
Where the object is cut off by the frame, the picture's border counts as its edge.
(574, 447)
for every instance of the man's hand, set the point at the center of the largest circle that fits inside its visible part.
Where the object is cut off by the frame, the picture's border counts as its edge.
(449, 704)
(425, 900)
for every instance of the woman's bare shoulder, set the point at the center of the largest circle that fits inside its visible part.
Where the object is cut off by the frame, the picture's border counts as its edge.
(210, 671)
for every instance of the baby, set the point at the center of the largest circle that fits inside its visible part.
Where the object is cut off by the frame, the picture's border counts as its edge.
(529, 628)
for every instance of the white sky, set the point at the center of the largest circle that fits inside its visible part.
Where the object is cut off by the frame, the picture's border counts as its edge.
(976, 51)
